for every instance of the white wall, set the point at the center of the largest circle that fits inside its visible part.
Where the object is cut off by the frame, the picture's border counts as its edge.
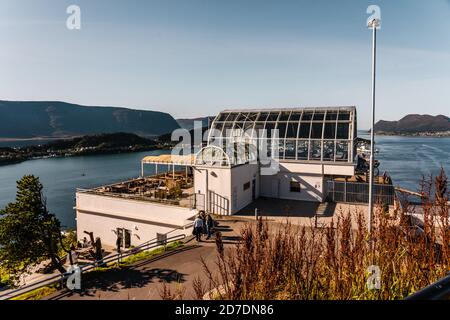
(239, 176)
(278, 186)
(102, 215)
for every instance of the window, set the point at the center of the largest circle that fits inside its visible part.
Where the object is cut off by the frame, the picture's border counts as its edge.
(161, 238)
(246, 185)
(124, 238)
(295, 186)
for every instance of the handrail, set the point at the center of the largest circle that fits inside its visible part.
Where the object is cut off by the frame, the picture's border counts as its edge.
(90, 266)
(439, 290)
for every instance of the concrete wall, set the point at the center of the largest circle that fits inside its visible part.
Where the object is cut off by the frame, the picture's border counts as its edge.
(278, 186)
(102, 215)
(239, 176)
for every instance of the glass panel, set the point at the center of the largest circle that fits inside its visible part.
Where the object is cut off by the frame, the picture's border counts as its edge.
(263, 116)
(232, 116)
(258, 127)
(342, 131)
(330, 131)
(318, 116)
(302, 150)
(331, 115)
(316, 132)
(342, 151)
(242, 116)
(292, 130)
(227, 129)
(273, 116)
(290, 149)
(282, 129)
(223, 116)
(280, 143)
(295, 116)
(307, 116)
(328, 151)
(316, 150)
(304, 130)
(344, 115)
(218, 126)
(269, 127)
(284, 116)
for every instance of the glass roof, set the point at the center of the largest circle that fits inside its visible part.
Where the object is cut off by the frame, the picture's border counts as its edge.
(298, 134)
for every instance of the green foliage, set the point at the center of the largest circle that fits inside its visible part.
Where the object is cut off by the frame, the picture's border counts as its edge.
(29, 234)
(37, 294)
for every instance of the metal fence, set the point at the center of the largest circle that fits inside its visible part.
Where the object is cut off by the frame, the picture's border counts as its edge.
(61, 278)
(355, 192)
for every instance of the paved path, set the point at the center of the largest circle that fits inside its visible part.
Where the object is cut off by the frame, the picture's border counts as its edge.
(144, 280)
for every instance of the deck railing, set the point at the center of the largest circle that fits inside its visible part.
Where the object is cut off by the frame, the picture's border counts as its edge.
(61, 278)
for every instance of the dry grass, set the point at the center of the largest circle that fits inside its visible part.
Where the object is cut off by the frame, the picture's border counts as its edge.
(332, 262)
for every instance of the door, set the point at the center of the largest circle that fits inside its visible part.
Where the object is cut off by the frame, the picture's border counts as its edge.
(276, 188)
(253, 189)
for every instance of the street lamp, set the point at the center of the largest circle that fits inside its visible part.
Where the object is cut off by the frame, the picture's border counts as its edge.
(373, 24)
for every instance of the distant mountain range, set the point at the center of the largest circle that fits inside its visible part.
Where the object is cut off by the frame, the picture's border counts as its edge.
(26, 119)
(414, 124)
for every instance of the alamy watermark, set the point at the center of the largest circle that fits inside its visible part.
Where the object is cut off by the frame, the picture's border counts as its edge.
(73, 21)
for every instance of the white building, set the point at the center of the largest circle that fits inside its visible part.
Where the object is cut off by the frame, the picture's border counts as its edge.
(306, 147)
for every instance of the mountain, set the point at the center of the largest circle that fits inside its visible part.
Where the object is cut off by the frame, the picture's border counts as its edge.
(29, 119)
(188, 124)
(414, 123)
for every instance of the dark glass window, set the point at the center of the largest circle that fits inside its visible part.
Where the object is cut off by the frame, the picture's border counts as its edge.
(330, 131)
(318, 116)
(307, 116)
(328, 151)
(331, 115)
(342, 131)
(316, 132)
(242, 116)
(223, 117)
(295, 186)
(302, 150)
(282, 129)
(262, 116)
(342, 151)
(292, 130)
(289, 149)
(284, 116)
(269, 127)
(315, 150)
(273, 116)
(246, 185)
(304, 130)
(344, 115)
(232, 116)
(295, 116)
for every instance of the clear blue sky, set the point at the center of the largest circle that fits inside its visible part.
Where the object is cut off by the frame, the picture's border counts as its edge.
(197, 57)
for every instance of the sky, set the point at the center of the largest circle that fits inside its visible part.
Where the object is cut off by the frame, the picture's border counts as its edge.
(196, 57)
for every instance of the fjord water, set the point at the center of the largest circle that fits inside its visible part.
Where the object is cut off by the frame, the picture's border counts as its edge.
(406, 159)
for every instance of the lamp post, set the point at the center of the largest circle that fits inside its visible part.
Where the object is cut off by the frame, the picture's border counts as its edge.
(374, 24)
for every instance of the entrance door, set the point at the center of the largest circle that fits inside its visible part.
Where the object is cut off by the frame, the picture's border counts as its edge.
(276, 188)
(253, 189)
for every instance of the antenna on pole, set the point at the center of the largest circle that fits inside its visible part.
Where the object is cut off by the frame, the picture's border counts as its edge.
(374, 24)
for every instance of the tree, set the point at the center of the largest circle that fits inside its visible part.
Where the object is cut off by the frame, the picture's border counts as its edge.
(29, 234)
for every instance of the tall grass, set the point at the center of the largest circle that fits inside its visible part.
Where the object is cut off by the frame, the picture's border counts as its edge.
(331, 262)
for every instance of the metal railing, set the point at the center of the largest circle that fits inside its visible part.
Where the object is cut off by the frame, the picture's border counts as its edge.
(356, 192)
(60, 278)
(439, 290)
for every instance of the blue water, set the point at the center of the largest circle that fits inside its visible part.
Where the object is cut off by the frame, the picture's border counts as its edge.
(62, 176)
(406, 159)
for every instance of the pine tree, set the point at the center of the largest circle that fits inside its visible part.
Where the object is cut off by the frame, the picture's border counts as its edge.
(29, 234)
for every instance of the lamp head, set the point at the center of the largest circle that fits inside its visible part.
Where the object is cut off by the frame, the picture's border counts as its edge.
(374, 23)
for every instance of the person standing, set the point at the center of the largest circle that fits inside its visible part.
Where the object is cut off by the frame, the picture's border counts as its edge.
(209, 226)
(198, 228)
